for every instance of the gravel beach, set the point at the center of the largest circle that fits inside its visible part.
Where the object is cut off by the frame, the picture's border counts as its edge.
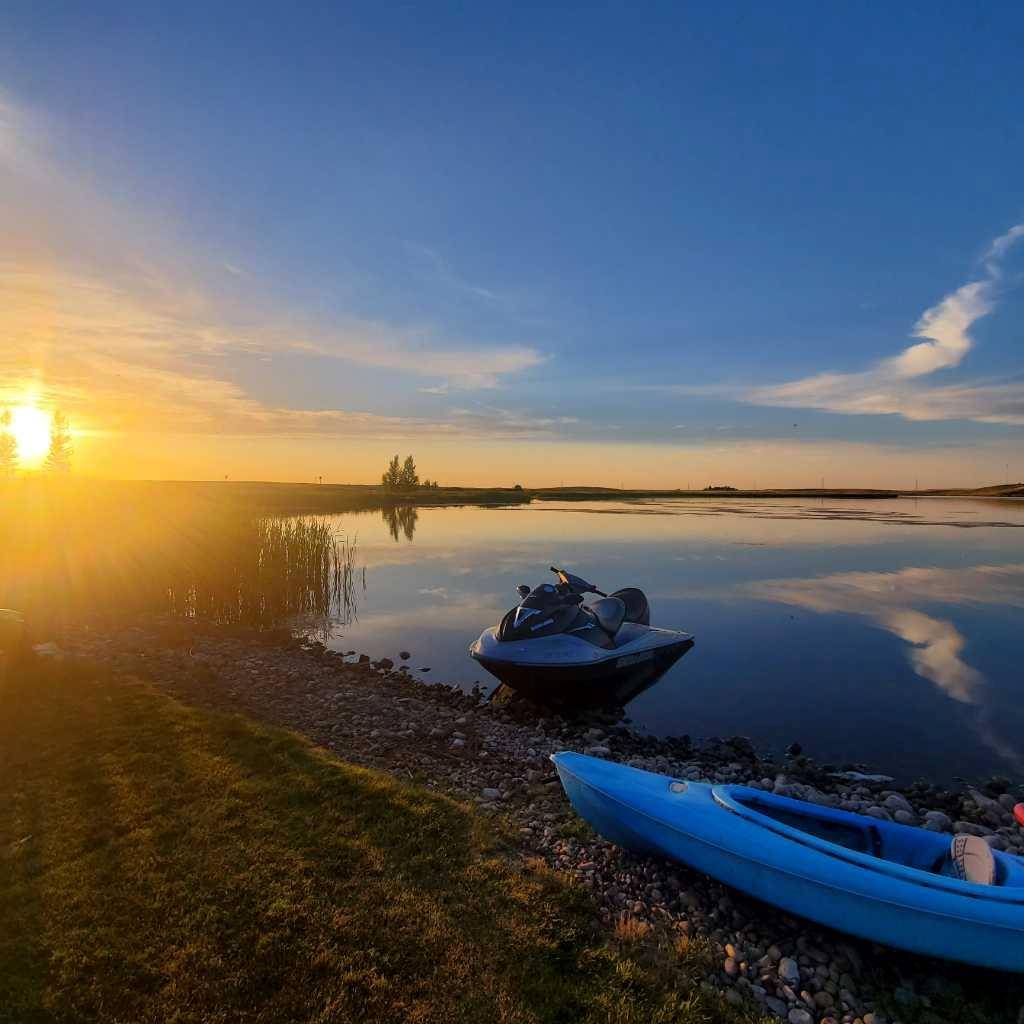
(387, 716)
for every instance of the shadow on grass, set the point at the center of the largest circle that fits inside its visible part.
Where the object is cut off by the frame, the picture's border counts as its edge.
(165, 863)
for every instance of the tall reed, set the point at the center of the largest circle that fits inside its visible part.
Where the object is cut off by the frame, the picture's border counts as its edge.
(72, 553)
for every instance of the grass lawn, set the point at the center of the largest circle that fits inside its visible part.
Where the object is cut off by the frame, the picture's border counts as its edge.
(162, 863)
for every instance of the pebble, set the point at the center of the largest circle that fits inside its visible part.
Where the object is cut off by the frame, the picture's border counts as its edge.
(897, 802)
(789, 970)
(936, 821)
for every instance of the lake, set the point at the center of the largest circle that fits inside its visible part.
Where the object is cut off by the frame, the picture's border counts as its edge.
(885, 632)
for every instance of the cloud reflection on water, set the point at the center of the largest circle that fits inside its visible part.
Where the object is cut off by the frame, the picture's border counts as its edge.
(936, 644)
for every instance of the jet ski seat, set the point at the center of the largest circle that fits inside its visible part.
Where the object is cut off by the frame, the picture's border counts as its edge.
(610, 613)
(637, 608)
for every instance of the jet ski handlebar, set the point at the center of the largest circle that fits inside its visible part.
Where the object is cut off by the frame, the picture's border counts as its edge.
(576, 583)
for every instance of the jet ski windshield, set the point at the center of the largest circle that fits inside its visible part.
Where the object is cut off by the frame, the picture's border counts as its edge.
(546, 609)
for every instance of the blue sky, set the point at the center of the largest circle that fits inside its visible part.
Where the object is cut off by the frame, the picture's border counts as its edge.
(484, 227)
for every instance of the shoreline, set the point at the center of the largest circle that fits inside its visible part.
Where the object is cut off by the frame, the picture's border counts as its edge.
(281, 498)
(496, 757)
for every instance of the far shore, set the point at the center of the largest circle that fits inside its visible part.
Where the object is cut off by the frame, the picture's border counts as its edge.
(324, 498)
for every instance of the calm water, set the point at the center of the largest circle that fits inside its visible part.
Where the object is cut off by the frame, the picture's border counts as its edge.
(888, 632)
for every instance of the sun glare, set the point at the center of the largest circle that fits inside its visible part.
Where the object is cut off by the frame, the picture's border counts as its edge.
(31, 429)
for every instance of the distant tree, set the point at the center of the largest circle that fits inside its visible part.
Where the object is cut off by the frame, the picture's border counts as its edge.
(517, 487)
(392, 478)
(59, 458)
(409, 480)
(8, 446)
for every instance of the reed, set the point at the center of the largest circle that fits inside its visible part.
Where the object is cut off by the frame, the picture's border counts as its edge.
(72, 554)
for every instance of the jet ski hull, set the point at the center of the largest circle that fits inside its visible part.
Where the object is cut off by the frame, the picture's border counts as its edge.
(572, 670)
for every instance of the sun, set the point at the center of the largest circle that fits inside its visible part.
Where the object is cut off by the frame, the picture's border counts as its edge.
(31, 429)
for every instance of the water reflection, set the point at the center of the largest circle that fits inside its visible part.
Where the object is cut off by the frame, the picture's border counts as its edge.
(809, 627)
(937, 646)
(401, 519)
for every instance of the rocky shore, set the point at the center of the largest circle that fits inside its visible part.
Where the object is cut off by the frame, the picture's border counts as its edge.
(384, 716)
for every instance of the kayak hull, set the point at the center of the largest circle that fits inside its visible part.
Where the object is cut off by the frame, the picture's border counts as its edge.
(710, 829)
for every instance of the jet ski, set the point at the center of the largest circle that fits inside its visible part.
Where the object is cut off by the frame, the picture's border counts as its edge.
(556, 641)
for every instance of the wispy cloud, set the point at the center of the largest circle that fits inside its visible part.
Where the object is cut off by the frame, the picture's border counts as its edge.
(103, 310)
(894, 385)
(135, 364)
(442, 270)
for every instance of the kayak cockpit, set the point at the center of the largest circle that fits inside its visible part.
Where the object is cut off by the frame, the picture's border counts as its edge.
(883, 845)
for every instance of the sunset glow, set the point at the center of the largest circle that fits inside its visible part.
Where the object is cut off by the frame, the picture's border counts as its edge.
(599, 321)
(31, 429)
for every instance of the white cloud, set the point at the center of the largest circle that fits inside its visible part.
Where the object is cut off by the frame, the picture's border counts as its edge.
(893, 387)
(945, 327)
(1000, 247)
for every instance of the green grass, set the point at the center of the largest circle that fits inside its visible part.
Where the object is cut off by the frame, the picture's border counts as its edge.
(162, 863)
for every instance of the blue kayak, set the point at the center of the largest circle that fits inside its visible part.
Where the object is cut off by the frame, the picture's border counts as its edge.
(944, 896)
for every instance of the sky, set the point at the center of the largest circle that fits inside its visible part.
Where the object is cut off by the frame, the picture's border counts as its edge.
(648, 245)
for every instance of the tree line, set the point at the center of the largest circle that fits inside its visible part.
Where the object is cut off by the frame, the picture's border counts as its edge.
(402, 476)
(58, 458)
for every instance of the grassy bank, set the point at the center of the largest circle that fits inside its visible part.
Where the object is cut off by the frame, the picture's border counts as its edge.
(163, 863)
